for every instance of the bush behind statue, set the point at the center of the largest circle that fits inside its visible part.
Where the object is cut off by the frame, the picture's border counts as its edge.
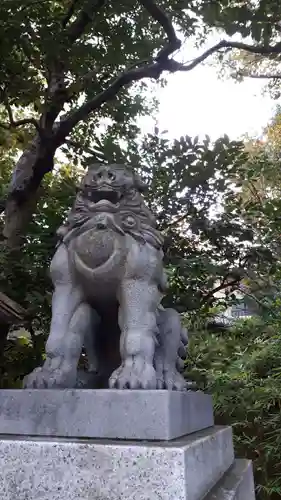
(241, 368)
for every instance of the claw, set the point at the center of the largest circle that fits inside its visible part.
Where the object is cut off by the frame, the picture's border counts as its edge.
(41, 378)
(133, 375)
(171, 380)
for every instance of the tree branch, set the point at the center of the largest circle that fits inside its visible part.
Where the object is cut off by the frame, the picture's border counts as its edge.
(176, 221)
(173, 65)
(18, 123)
(259, 302)
(2, 206)
(57, 93)
(79, 146)
(152, 70)
(161, 17)
(24, 121)
(254, 49)
(224, 284)
(255, 192)
(69, 13)
(13, 123)
(261, 76)
(85, 17)
(13, 4)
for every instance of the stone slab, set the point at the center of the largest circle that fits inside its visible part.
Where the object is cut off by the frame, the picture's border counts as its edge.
(56, 469)
(112, 414)
(236, 484)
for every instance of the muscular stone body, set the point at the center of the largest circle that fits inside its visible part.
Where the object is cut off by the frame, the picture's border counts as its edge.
(109, 281)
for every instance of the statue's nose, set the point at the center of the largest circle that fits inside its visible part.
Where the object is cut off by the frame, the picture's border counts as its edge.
(101, 225)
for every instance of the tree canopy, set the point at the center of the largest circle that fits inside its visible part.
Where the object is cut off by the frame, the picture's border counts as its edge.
(62, 64)
(219, 230)
(258, 22)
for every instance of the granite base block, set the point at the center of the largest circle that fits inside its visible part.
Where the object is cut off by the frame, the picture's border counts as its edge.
(52, 469)
(112, 414)
(236, 484)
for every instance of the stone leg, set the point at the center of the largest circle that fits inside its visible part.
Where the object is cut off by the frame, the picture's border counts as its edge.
(89, 343)
(137, 320)
(167, 355)
(71, 319)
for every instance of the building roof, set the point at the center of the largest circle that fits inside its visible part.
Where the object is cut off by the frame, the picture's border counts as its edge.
(11, 312)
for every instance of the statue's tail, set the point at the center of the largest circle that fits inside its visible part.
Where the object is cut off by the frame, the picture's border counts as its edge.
(173, 335)
(182, 349)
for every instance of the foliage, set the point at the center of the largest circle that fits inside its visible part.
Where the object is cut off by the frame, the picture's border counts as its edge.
(216, 234)
(256, 19)
(240, 367)
(67, 68)
(24, 276)
(19, 357)
(211, 244)
(273, 134)
(255, 22)
(62, 65)
(190, 182)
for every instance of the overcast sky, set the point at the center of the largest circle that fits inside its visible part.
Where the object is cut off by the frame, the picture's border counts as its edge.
(199, 103)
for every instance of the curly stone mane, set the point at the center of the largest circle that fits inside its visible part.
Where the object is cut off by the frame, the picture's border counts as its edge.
(116, 190)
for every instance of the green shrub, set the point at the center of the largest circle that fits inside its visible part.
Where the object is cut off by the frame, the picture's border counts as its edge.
(241, 368)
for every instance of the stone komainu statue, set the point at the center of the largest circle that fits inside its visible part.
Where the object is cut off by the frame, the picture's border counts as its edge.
(109, 281)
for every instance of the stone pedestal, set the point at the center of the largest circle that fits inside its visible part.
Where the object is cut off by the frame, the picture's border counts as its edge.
(236, 484)
(186, 468)
(133, 463)
(113, 414)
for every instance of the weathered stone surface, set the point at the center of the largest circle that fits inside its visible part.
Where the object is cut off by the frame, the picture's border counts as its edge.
(186, 468)
(236, 484)
(113, 414)
(109, 280)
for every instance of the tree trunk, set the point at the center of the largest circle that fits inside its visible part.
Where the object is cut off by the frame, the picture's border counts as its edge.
(34, 163)
(4, 330)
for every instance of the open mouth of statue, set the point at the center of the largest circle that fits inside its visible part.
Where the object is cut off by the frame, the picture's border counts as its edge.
(106, 195)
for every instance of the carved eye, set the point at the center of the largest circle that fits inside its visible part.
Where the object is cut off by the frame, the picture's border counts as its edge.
(99, 175)
(111, 176)
(130, 221)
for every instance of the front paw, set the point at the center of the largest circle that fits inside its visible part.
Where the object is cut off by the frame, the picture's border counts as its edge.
(42, 378)
(134, 373)
(171, 380)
